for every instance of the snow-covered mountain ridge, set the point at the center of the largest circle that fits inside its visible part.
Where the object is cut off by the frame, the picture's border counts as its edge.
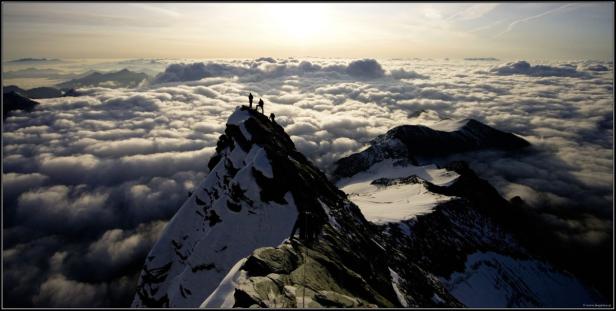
(266, 228)
(235, 228)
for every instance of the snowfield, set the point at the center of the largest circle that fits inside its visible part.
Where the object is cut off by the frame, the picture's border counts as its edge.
(398, 202)
(490, 279)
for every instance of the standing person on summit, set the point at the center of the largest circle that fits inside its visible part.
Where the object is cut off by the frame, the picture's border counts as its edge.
(260, 104)
(250, 100)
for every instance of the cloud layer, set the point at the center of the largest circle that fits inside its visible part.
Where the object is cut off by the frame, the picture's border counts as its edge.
(269, 68)
(90, 181)
(524, 68)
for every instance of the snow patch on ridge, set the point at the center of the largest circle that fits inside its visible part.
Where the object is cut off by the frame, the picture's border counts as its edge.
(395, 282)
(388, 168)
(222, 297)
(491, 280)
(331, 218)
(238, 116)
(245, 132)
(262, 164)
(398, 202)
(449, 125)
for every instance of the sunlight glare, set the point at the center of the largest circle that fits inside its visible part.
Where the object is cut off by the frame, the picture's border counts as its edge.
(299, 22)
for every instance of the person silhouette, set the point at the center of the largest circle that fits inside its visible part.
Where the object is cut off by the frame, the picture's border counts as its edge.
(250, 100)
(273, 117)
(260, 104)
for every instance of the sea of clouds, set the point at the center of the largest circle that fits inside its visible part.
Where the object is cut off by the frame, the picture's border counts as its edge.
(89, 182)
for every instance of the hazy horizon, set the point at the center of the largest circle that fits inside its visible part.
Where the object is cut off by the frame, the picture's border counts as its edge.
(395, 30)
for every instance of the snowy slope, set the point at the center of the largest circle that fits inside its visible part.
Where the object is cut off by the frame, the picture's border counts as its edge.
(223, 221)
(449, 125)
(493, 280)
(222, 296)
(381, 203)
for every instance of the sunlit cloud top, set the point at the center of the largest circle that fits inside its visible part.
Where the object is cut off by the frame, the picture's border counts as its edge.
(394, 30)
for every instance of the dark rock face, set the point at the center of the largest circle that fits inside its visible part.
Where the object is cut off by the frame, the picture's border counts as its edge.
(13, 88)
(422, 140)
(14, 101)
(411, 141)
(34, 93)
(44, 92)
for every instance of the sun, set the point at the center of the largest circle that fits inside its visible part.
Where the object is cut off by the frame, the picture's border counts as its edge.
(300, 22)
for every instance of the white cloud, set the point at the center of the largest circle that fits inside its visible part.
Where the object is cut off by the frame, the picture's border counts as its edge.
(59, 292)
(524, 68)
(117, 247)
(116, 160)
(14, 183)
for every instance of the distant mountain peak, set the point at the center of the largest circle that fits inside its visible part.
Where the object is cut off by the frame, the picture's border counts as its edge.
(14, 100)
(121, 78)
(441, 138)
(30, 59)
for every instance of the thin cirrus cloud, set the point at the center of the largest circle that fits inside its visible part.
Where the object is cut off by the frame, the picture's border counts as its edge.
(512, 25)
(474, 11)
(90, 181)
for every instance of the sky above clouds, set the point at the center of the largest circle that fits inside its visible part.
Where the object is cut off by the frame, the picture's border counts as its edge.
(390, 30)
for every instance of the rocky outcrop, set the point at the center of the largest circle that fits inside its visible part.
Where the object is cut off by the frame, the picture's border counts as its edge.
(12, 101)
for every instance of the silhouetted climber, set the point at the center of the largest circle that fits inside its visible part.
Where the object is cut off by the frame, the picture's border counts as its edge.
(273, 117)
(250, 100)
(307, 226)
(260, 104)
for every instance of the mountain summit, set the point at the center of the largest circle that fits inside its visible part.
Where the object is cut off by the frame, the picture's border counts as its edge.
(266, 228)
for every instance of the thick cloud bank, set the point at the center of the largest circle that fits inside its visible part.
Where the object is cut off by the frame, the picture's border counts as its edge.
(524, 68)
(267, 67)
(89, 182)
